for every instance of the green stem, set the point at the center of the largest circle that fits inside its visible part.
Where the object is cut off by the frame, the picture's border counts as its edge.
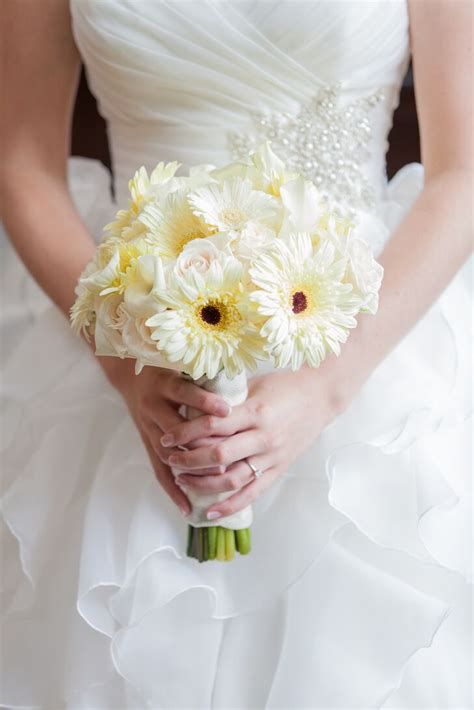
(189, 549)
(216, 542)
(242, 538)
(212, 537)
(229, 544)
(220, 552)
(194, 547)
(200, 545)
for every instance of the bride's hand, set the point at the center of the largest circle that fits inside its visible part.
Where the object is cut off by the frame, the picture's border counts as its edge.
(284, 413)
(154, 398)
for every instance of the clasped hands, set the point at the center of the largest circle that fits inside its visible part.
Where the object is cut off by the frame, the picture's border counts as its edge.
(283, 414)
(277, 422)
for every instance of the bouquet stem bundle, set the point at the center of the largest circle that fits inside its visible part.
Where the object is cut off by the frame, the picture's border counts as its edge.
(217, 543)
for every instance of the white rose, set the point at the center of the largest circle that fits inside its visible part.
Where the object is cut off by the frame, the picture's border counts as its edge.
(200, 253)
(139, 344)
(364, 273)
(254, 238)
(107, 336)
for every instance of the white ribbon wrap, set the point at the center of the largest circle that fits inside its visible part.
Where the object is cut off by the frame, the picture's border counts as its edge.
(234, 392)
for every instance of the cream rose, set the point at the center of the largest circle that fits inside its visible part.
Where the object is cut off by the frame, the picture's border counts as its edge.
(137, 339)
(255, 237)
(200, 253)
(107, 336)
(364, 273)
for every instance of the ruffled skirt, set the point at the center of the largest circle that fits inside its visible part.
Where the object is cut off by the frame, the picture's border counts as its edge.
(355, 595)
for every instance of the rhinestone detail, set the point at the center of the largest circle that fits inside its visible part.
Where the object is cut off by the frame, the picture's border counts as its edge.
(325, 141)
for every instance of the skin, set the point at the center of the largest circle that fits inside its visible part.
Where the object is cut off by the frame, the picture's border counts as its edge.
(279, 420)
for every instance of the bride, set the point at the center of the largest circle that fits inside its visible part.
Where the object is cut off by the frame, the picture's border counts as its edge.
(356, 592)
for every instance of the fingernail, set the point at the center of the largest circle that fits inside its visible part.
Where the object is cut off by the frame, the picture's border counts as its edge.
(185, 512)
(222, 469)
(173, 461)
(167, 440)
(213, 514)
(223, 410)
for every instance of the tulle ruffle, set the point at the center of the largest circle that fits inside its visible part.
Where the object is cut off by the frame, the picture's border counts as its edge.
(360, 551)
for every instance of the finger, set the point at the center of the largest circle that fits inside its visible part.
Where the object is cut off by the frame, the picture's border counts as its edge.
(165, 416)
(165, 454)
(182, 391)
(244, 497)
(154, 434)
(207, 441)
(233, 479)
(233, 449)
(167, 481)
(210, 471)
(240, 419)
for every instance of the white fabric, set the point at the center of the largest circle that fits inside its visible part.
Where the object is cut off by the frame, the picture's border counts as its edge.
(234, 392)
(355, 593)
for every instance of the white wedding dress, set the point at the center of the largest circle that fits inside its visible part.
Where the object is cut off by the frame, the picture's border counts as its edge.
(356, 594)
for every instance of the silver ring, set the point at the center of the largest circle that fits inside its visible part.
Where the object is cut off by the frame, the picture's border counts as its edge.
(257, 472)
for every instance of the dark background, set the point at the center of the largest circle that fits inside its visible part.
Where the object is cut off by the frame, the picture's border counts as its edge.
(89, 137)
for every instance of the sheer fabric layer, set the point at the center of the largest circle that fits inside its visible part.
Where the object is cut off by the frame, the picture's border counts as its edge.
(363, 541)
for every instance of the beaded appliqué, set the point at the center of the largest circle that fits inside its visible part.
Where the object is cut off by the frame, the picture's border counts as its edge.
(325, 142)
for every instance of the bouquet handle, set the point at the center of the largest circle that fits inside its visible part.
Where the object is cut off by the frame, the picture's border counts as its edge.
(234, 391)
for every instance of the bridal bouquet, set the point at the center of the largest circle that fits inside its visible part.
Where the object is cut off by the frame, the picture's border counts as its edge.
(210, 273)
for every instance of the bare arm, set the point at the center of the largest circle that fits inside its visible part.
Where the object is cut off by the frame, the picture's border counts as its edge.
(39, 71)
(40, 66)
(435, 238)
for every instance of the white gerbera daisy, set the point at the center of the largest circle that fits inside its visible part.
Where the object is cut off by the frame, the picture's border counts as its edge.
(208, 325)
(110, 275)
(232, 204)
(301, 293)
(142, 189)
(82, 312)
(172, 226)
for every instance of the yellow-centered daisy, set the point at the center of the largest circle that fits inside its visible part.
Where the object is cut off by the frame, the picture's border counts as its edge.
(171, 226)
(232, 204)
(209, 324)
(126, 225)
(301, 294)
